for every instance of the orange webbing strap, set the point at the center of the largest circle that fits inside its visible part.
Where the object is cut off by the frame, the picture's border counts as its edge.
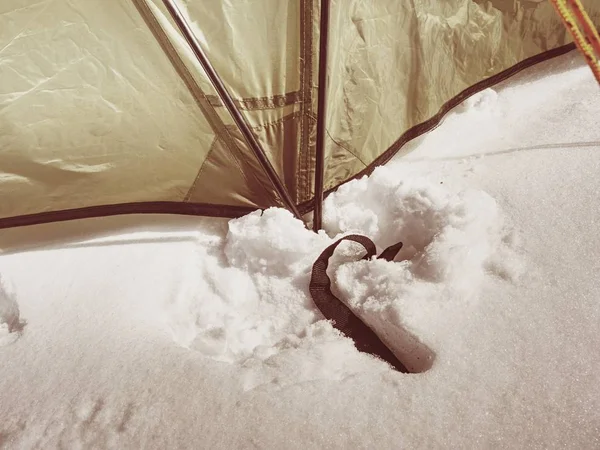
(583, 31)
(414, 356)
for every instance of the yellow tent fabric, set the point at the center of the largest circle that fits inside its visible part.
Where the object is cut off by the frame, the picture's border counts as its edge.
(105, 109)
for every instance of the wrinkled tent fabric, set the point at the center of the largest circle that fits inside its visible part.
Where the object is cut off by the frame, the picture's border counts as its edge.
(103, 103)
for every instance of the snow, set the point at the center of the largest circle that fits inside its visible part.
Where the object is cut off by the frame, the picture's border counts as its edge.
(181, 332)
(10, 323)
(481, 103)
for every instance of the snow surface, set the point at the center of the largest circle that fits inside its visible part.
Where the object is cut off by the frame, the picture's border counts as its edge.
(180, 332)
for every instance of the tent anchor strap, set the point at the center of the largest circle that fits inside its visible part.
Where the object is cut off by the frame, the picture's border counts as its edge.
(227, 100)
(412, 355)
(321, 117)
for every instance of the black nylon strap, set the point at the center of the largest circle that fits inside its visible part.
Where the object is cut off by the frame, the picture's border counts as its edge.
(334, 309)
(390, 253)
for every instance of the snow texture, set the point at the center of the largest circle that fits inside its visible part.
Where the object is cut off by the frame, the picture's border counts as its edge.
(254, 305)
(11, 324)
(181, 332)
(479, 103)
(452, 238)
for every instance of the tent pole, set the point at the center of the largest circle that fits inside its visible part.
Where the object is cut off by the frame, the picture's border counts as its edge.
(321, 117)
(227, 100)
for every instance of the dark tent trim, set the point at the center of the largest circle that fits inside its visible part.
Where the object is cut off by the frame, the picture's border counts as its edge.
(434, 122)
(179, 208)
(227, 211)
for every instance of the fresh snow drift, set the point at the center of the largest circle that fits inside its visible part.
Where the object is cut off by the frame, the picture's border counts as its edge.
(256, 304)
(181, 332)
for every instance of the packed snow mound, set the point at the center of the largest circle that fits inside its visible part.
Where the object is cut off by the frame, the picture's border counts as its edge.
(451, 237)
(480, 102)
(248, 304)
(272, 242)
(253, 308)
(11, 324)
(267, 324)
(401, 205)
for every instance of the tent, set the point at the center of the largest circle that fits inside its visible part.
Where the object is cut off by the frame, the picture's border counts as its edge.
(212, 108)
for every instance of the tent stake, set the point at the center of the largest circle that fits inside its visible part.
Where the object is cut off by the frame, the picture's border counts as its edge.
(321, 117)
(227, 100)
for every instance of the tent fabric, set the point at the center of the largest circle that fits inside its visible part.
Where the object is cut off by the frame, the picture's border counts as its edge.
(396, 63)
(103, 103)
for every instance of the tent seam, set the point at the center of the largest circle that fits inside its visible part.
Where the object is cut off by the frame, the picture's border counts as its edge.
(281, 120)
(306, 76)
(261, 103)
(346, 147)
(193, 186)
